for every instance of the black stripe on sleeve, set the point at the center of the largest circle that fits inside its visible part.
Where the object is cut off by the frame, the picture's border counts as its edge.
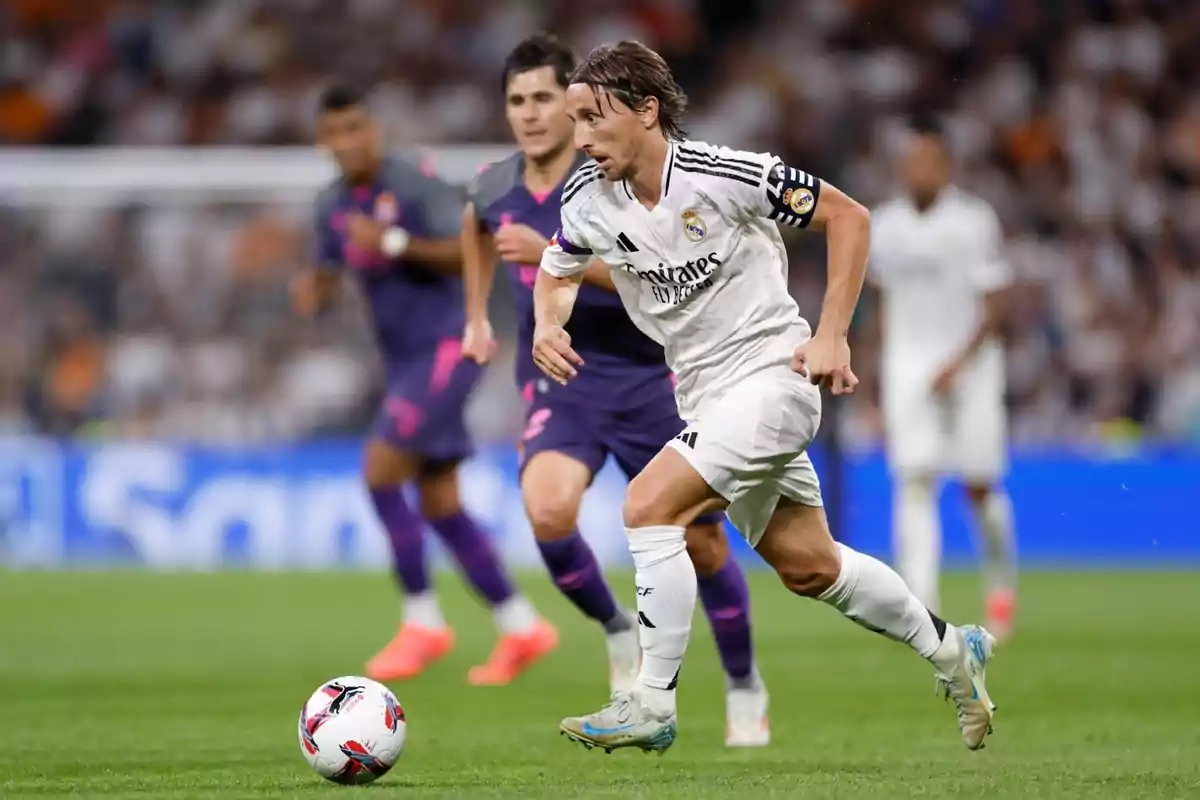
(580, 175)
(728, 166)
(570, 192)
(694, 151)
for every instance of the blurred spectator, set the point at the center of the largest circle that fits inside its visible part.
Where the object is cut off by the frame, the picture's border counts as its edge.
(1079, 120)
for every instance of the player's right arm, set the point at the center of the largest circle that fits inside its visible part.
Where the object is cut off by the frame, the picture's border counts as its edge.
(991, 278)
(316, 288)
(479, 268)
(564, 263)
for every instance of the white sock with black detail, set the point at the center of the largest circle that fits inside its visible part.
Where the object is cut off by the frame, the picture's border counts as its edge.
(666, 601)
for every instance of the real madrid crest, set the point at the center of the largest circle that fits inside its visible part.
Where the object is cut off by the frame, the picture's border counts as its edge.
(799, 200)
(693, 227)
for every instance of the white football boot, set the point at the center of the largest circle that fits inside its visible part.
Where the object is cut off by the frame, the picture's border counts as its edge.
(624, 722)
(746, 723)
(964, 684)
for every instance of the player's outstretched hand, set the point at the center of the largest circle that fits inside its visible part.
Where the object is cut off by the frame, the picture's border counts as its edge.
(479, 342)
(553, 354)
(519, 244)
(825, 361)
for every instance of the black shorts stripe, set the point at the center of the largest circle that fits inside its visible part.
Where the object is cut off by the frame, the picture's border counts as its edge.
(692, 151)
(568, 194)
(750, 172)
(716, 174)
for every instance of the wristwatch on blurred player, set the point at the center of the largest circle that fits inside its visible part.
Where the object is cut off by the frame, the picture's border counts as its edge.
(394, 242)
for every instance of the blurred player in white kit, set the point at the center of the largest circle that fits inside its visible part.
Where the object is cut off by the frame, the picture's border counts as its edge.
(936, 258)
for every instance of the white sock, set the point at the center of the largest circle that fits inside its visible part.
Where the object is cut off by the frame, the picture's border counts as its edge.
(999, 547)
(871, 594)
(515, 615)
(423, 609)
(666, 600)
(917, 538)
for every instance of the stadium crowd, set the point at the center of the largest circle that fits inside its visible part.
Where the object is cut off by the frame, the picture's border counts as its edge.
(1078, 119)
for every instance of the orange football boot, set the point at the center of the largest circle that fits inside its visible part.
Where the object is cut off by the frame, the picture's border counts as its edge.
(1000, 608)
(513, 654)
(412, 650)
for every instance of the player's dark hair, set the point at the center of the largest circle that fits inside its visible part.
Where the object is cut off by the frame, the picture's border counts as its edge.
(633, 73)
(927, 125)
(339, 97)
(539, 50)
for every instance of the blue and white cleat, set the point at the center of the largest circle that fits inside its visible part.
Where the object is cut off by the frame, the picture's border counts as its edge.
(966, 687)
(624, 722)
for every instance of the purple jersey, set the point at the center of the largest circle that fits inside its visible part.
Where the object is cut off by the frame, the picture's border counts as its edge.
(413, 309)
(622, 364)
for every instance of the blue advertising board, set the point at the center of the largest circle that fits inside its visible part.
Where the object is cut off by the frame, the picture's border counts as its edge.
(168, 506)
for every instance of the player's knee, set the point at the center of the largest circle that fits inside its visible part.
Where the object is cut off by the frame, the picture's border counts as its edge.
(552, 517)
(384, 467)
(642, 508)
(439, 494)
(812, 572)
(708, 548)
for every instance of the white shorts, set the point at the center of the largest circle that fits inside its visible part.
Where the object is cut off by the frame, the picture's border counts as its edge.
(749, 446)
(964, 435)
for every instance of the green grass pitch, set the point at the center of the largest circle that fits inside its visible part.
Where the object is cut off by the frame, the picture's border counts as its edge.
(187, 686)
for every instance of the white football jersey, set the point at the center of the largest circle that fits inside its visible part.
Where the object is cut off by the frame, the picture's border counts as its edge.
(934, 268)
(705, 272)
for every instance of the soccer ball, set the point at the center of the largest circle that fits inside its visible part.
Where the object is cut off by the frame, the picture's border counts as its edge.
(352, 730)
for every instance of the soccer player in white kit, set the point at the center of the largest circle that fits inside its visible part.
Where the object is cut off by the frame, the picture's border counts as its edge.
(936, 259)
(688, 232)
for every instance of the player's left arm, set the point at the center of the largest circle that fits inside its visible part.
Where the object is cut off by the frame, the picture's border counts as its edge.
(794, 197)
(847, 226)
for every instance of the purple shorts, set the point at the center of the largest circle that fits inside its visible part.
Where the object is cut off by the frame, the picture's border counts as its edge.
(631, 435)
(423, 412)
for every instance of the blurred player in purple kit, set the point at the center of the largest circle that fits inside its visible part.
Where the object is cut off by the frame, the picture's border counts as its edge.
(624, 406)
(397, 229)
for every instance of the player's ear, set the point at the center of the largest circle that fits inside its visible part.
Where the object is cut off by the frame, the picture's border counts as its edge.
(649, 112)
